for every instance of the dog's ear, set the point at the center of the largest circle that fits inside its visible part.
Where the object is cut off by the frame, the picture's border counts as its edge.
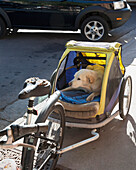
(90, 78)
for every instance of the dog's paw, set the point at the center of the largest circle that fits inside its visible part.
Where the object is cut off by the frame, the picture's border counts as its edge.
(90, 97)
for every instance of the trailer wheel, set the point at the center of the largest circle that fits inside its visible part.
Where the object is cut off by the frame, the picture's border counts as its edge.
(125, 97)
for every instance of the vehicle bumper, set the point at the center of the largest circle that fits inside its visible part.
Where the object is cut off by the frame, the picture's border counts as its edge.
(119, 17)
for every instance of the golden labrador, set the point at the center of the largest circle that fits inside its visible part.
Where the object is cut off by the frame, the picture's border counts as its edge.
(89, 79)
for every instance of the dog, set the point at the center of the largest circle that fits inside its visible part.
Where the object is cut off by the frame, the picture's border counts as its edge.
(89, 80)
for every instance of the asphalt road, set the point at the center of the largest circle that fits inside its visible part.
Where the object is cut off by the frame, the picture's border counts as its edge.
(36, 54)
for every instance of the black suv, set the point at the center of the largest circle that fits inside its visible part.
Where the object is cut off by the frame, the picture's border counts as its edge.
(93, 17)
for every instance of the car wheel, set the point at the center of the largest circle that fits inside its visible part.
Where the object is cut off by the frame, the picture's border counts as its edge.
(2, 28)
(94, 28)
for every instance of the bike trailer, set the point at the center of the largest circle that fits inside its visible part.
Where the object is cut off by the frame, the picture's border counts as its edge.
(79, 55)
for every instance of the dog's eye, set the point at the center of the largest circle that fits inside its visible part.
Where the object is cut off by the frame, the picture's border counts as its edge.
(78, 79)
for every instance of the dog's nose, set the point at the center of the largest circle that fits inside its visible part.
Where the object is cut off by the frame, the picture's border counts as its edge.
(70, 83)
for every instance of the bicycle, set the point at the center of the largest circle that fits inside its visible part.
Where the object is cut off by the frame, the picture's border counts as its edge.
(50, 134)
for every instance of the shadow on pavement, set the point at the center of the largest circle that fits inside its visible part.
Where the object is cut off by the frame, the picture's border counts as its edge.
(115, 149)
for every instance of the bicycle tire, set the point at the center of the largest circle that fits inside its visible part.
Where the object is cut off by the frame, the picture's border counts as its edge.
(125, 97)
(48, 148)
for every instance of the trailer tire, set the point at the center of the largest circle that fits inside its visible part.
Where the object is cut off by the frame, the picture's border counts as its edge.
(125, 97)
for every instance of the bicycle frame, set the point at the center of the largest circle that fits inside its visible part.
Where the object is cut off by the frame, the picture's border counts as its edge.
(28, 153)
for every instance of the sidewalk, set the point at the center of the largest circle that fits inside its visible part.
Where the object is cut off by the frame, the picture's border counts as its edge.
(115, 150)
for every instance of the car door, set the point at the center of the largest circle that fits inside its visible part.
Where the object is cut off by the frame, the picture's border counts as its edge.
(57, 14)
(50, 14)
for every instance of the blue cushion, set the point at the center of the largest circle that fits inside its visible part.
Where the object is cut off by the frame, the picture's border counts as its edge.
(77, 97)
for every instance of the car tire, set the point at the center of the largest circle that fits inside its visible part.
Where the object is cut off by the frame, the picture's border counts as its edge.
(2, 28)
(94, 28)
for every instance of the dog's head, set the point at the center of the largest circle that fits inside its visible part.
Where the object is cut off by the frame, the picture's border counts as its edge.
(86, 79)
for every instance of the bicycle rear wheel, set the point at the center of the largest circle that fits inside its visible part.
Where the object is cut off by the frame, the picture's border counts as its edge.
(52, 140)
